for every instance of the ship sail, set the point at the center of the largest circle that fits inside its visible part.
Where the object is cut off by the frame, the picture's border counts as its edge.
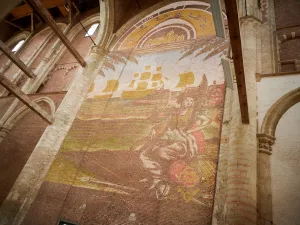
(156, 76)
(92, 87)
(111, 86)
(186, 79)
(131, 85)
(145, 76)
(142, 86)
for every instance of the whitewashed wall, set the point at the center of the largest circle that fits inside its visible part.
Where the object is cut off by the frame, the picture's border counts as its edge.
(285, 159)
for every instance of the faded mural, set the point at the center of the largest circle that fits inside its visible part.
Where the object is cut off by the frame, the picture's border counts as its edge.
(146, 139)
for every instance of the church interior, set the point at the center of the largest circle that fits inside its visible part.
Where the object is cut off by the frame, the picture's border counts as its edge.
(149, 112)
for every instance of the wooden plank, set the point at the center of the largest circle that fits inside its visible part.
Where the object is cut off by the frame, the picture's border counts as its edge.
(14, 25)
(16, 60)
(37, 6)
(25, 10)
(63, 10)
(218, 18)
(236, 45)
(32, 22)
(25, 99)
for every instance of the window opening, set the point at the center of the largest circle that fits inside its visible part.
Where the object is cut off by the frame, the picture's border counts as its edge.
(18, 46)
(92, 30)
(65, 223)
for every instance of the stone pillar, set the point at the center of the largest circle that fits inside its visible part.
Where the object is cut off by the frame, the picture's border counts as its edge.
(241, 196)
(264, 201)
(221, 181)
(26, 187)
(297, 64)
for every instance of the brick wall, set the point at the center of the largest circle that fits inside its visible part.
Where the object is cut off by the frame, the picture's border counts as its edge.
(287, 17)
(17, 146)
(64, 71)
(29, 50)
(127, 9)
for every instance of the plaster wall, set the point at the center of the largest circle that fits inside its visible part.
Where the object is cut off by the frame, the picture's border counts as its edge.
(270, 89)
(285, 169)
(284, 161)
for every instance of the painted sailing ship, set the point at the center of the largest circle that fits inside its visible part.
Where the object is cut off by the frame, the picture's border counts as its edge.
(107, 92)
(144, 83)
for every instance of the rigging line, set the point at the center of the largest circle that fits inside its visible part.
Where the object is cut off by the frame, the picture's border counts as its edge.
(137, 1)
(86, 32)
(70, 7)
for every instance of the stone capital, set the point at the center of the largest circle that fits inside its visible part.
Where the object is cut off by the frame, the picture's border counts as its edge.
(258, 77)
(99, 50)
(265, 143)
(250, 21)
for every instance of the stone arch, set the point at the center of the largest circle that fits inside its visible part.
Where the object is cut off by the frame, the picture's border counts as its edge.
(25, 35)
(276, 111)
(14, 118)
(85, 22)
(15, 39)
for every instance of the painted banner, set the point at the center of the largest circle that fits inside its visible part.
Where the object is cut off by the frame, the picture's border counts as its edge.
(144, 146)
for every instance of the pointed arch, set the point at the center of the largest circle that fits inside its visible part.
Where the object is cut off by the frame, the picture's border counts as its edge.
(151, 12)
(20, 113)
(85, 22)
(15, 39)
(277, 110)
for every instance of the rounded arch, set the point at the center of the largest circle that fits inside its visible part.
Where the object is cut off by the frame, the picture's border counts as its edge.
(276, 111)
(14, 118)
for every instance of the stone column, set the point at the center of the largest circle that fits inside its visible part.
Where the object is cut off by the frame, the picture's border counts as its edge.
(264, 201)
(241, 195)
(26, 187)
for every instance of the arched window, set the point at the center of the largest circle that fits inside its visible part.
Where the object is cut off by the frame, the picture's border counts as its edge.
(92, 30)
(18, 46)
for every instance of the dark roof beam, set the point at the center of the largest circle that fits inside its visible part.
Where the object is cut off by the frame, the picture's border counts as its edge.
(236, 45)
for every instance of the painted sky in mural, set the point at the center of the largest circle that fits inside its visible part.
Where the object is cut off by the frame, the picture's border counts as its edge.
(147, 136)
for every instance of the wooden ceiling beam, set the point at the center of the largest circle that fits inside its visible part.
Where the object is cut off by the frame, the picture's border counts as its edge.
(25, 99)
(236, 45)
(14, 25)
(25, 10)
(37, 6)
(63, 10)
(16, 60)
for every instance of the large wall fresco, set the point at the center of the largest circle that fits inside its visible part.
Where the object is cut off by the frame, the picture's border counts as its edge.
(144, 146)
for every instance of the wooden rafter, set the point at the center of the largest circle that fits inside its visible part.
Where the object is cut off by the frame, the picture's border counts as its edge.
(16, 60)
(40, 9)
(25, 99)
(236, 45)
(25, 10)
(14, 25)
